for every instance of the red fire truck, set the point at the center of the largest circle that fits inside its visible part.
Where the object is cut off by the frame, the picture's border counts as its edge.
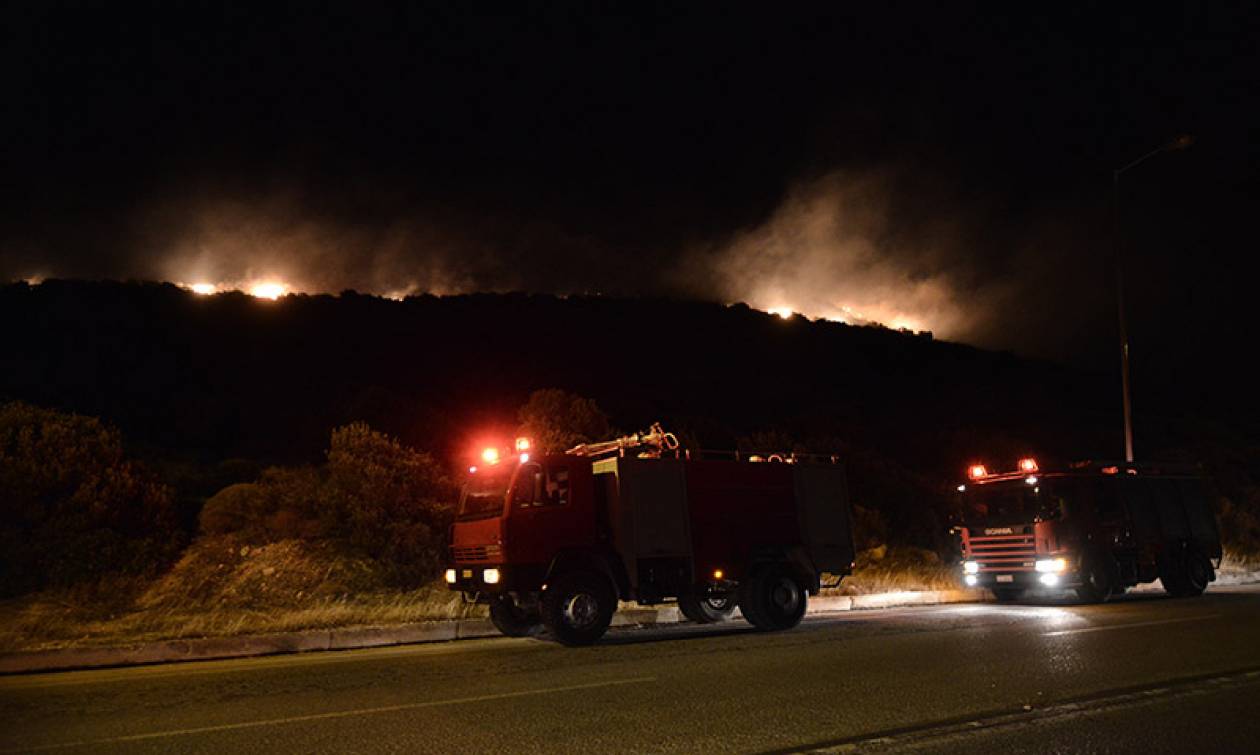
(1095, 527)
(558, 540)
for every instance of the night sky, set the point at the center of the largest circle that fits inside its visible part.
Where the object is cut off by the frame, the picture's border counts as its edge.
(946, 169)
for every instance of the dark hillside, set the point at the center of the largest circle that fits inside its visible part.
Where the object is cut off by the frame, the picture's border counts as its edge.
(231, 376)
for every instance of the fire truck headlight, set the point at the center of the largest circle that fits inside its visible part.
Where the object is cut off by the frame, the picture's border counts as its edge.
(1052, 565)
(490, 576)
(450, 576)
(1049, 580)
(971, 567)
(971, 580)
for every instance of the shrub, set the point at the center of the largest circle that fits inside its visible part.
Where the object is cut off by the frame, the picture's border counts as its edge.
(72, 507)
(392, 502)
(380, 498)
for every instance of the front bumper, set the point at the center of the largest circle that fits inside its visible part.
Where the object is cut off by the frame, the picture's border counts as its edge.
(1022, 580)
(520, 578)
(472, 579)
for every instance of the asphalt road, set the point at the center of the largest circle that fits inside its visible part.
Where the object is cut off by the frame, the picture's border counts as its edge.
(1146, 673)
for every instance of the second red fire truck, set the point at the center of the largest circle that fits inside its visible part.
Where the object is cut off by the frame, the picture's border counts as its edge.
(1095, 527)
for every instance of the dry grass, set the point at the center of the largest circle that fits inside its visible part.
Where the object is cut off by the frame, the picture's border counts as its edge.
(1237, 558)
(1239, 567)
(221, 588)
(898, 569)
(47, 621)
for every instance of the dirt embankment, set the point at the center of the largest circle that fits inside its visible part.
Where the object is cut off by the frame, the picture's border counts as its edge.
(221, 587)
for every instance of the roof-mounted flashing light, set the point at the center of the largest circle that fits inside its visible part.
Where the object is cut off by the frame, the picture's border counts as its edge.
(976, 471)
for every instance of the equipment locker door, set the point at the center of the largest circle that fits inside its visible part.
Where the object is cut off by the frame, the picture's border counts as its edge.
(826, 529)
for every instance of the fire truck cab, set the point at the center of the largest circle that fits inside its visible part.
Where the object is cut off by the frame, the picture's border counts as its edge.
(559, 539)
(1095, 527)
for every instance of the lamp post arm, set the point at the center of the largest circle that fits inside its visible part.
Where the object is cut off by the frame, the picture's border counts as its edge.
(1182, 142)
(1142, 159)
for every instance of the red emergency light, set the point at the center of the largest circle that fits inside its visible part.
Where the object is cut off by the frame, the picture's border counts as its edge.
(490, 456)
(976, 471)
(522, 445)
(1028, 465)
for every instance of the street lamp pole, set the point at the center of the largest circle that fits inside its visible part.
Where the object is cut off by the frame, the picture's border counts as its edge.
(1181, 142)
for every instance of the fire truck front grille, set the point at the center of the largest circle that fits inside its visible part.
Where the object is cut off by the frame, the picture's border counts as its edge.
(464, 554)
(1003, 552)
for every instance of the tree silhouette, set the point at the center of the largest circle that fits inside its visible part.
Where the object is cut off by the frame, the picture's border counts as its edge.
(554, 420)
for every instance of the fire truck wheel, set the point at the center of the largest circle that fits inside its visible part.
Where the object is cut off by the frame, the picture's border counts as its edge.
(1198, 573)
(578, 607)
(1099, 579)
(1188, 576)
(772, 598)
(512, 620)
(706, 609)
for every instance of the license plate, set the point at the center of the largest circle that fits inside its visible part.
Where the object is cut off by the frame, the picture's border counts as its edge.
(1005, 578)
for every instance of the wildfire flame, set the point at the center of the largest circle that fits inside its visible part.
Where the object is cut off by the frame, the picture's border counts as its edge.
(268, 290)
(848, 316)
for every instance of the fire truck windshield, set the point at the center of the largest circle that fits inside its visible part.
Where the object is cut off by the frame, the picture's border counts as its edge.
(485, 493)
(1012, 502)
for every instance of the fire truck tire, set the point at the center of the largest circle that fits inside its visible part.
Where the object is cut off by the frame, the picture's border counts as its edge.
(512, 620)
(1199, 573)
(578, 607)
(1100, 579)
(773, 598)
(706, 609)
(1188, 576)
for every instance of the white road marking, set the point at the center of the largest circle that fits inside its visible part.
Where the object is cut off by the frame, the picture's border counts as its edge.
(1128, 625)
(332, 715)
